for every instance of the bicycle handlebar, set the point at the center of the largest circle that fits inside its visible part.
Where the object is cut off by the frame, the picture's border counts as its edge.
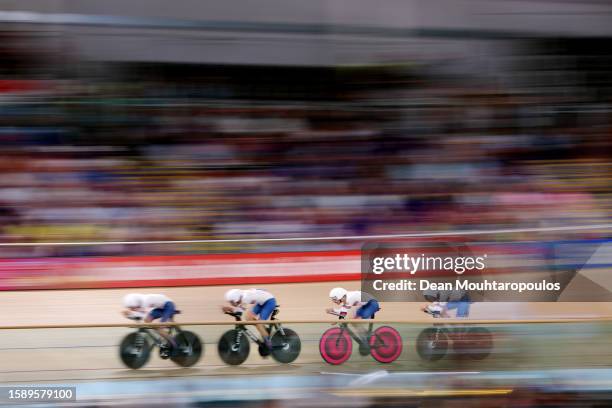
(434, 314)
(236, 315)
(341, 316)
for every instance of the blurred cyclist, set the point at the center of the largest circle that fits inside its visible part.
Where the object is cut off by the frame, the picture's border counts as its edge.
(362, 304)
(263, 304)
(441, 301)
(152, 307)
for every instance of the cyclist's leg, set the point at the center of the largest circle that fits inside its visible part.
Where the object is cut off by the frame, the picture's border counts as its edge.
(367, 311)
(165, 314)
(251, 314)
(463, 309)
(462, 306)
(452, 305)
(266, 311)
(153, 315)
(262, 312)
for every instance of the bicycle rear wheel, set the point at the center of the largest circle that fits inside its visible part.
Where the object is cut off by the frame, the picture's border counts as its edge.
(189, 349)
(476, 343)
(286, 347)
(385, 344)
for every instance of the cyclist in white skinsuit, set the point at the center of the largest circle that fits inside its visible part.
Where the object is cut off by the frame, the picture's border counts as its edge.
(151, 307)
(263, 304)
(361, 305)
(441, 301)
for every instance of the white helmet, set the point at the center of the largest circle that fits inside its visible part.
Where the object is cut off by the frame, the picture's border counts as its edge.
(233, 295)
(133, 300)
(337, 293)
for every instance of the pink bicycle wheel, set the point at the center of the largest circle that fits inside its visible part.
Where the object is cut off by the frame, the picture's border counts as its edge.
(385, 344)
(335, 346)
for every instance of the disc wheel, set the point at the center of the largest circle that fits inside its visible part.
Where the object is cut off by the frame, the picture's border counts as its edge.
(188, 350)
(385, 344)
(432, 344)
(475, 343)
(233, 347)
(286, 347)
(135, 350)
(335, 346)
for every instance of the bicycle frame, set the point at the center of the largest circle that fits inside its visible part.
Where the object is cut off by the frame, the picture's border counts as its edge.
(441, 327)
(355, 336)
(243, 329)
(157, 338)
(383, 343)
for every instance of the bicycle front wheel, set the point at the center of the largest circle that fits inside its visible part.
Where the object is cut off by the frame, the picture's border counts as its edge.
(335, 346)
(233, 347)
(432, 344)
(135, 350)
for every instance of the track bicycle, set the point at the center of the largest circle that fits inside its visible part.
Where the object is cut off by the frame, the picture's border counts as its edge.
(336, 345)
(433, 342)
(135, 348)
(234, 344)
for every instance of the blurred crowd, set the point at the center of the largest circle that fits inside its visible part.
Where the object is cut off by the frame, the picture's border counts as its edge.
(111, 160)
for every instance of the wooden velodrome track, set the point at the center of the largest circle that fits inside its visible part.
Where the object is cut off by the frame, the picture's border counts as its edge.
(44, 355)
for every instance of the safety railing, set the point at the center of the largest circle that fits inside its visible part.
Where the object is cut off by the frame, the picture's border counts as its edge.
(446, 321)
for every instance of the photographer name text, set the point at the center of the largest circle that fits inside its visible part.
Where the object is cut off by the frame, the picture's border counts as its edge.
(464, 285)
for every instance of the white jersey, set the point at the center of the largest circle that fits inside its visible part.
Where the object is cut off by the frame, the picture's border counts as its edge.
(357, 298)
(256, 296)
(443, 296)
(154, 301)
